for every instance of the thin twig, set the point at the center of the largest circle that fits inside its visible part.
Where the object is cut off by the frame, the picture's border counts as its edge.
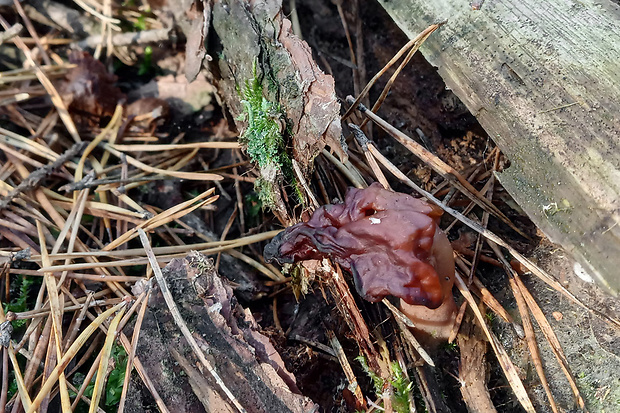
(388, 86)
(11, 32)
(346, 367)
(404, 323)
(132, 353)
(389, 64)
(126, 39)
(347, 170)
(363, 142)
(506, 364)
(530, 336)
(35, 178)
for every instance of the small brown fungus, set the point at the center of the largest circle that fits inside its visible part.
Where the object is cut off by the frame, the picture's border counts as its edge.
(390, 242)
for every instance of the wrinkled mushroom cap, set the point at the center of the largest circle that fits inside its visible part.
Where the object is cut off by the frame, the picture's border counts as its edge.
(389, 241)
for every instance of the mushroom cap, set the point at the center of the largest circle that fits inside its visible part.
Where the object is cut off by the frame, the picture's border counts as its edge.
(389, 241)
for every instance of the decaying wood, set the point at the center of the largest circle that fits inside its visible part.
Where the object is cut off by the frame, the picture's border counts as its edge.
(544, 82)
(253, 39)
(228, 337)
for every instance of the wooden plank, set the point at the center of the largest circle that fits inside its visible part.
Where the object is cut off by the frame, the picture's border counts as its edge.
(543, 79)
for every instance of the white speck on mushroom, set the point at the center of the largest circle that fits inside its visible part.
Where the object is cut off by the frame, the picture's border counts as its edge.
(215, 308)
(375, 220)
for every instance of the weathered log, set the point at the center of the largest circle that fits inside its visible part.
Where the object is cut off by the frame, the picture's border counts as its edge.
(244, 359)
(543, 79)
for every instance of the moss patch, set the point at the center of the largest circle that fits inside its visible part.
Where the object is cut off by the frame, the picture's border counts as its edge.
(264, 138)
(402, 387)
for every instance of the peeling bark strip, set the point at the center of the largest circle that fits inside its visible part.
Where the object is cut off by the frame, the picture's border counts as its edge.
(256, 32)
(199, 16)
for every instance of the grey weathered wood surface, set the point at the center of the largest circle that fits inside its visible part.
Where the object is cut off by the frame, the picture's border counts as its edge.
(543, 79)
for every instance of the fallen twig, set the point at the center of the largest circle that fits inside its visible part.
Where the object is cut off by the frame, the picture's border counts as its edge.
(35, 178)
(11, 32)
(126, 39)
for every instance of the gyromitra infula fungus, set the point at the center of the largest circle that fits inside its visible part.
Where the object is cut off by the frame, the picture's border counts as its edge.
(392, 245)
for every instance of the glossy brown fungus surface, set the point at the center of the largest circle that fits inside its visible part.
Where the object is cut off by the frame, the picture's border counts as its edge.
(389, 241)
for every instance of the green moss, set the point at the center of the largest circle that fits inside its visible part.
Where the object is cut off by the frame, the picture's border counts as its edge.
(264, 138)
(490, 316)
(114, 383)
(402, 389)
(265, 189)
(21, 303)
(450, 347)
(402, 386)
(377, 381)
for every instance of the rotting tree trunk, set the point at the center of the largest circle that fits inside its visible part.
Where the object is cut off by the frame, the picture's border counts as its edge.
(247, 39)
(244, 359)
(543, 79)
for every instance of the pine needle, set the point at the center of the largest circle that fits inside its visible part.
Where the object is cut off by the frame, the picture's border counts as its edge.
(103, 363)
(69, 355)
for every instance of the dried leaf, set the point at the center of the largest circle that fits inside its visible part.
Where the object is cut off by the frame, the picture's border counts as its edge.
(89, 90)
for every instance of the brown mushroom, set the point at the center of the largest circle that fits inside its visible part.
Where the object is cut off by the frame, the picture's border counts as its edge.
(390, 242)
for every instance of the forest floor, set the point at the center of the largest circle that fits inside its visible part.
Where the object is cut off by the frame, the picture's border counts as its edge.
(114, 166)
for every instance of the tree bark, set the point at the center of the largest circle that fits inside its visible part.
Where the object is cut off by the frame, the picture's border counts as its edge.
(230, 338)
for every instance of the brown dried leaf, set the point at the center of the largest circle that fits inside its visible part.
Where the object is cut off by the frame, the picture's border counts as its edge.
(89, 90)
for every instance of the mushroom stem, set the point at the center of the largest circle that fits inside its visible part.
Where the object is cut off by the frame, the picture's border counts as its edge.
(436, 324)
(431, 325)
